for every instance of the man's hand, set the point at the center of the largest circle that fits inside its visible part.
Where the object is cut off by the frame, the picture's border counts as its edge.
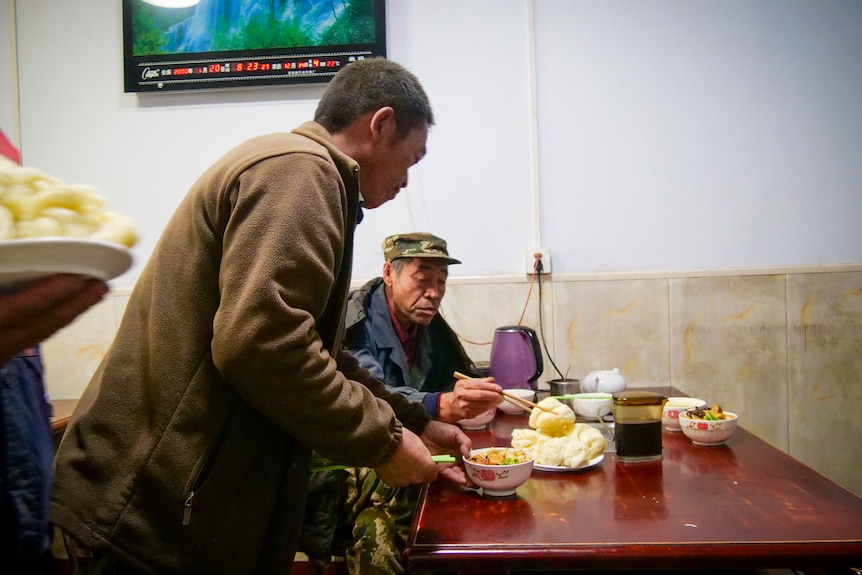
(446, 438)
(32, 314)
(411, 463)
(469, 398)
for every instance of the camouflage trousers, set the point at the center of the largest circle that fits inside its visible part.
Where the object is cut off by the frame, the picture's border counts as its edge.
(381, 517)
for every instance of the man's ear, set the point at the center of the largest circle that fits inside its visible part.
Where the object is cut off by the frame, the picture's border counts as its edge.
(388, 272)
(382, 123)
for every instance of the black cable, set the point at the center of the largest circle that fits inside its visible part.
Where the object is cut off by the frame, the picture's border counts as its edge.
(541, 323)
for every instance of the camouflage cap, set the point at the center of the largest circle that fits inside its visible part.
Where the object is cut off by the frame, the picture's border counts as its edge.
(416, 245)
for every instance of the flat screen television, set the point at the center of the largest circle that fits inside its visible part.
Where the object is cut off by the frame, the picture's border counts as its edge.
(233, 43)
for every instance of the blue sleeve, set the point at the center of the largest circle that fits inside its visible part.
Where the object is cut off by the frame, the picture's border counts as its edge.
(431, 401)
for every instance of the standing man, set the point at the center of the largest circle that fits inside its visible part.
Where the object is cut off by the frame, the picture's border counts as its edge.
(190, 449)
(395, 331)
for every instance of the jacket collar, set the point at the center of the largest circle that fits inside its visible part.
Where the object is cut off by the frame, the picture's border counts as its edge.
(348, 168)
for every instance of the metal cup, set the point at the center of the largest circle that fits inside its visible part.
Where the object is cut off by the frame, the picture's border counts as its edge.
(565, 387)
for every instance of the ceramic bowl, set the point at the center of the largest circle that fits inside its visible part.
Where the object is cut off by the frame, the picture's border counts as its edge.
(587, 405)
(513, 408)
(675, 406)
(480, 421)
(707, 432)
(497, 480)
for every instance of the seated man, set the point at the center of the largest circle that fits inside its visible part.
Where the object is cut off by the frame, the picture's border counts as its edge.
(395, 331)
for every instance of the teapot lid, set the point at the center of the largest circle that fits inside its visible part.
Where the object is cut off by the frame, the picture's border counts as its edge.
(638, 397)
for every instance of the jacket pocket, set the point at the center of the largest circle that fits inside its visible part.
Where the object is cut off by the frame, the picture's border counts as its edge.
(203, 466)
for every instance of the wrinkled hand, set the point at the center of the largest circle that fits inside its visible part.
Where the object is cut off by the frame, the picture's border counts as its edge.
(32, 314)
(447, 438)
(469, 398)
(411, 463)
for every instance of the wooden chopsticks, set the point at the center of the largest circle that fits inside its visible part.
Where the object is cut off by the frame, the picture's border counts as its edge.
(519, 401)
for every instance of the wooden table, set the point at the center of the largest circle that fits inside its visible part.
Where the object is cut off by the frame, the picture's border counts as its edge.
(744, 505)
(61, 414)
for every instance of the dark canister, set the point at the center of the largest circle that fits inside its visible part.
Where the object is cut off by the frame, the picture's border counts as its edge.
(637, 425)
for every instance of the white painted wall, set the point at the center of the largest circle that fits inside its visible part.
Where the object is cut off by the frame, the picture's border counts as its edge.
(665, 134)
(694, 135)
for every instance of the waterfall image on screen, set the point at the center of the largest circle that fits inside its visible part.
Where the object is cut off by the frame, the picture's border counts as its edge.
(229, 43)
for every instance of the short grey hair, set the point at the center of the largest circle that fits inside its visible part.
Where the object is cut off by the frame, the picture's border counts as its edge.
(398, 264)
(368, 85)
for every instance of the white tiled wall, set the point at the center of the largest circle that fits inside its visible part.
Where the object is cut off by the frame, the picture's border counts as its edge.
(783, 350)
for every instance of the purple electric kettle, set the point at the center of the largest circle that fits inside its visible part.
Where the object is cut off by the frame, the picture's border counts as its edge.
(516, 360)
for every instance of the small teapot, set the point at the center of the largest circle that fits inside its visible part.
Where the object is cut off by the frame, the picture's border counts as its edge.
(603, 381)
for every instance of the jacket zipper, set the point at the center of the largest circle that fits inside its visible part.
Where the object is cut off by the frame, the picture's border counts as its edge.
(187, 511)
(203, 469)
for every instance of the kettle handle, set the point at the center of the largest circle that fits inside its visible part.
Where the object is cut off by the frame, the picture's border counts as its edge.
(534, 340)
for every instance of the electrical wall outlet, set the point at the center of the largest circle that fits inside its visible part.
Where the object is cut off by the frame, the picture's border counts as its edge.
(530, 260)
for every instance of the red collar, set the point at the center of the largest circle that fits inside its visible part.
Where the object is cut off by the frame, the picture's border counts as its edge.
(407, 337)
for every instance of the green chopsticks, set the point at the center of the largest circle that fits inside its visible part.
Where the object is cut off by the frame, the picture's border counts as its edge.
(335, 467)
(443, 459)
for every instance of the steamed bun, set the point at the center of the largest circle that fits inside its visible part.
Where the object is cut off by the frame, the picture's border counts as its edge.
(592, 439)
(574, 453)
(563, 451)
(556, 440)
(559, 422)
(34, 204)
(527, 439)
(551, 452)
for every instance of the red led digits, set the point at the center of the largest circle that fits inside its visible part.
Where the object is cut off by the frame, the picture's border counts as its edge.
(247, 69)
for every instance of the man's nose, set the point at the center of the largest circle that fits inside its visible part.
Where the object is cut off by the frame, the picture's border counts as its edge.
(432, 293)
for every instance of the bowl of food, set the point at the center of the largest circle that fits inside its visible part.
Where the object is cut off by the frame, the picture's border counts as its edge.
(708, 426)
(513, 408)
(499, 471)
(675, 406)
(480, 421)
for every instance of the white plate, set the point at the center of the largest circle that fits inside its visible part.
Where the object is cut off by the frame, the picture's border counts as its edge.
(588, 465)
(28, 259)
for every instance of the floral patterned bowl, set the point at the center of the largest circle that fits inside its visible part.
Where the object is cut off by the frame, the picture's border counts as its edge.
(675, 406)
(497, 480)
(708, 432)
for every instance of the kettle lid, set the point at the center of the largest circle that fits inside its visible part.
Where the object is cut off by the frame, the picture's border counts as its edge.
(513, 328)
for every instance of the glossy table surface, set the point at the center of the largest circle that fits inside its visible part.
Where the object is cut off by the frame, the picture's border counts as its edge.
(743, 505)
